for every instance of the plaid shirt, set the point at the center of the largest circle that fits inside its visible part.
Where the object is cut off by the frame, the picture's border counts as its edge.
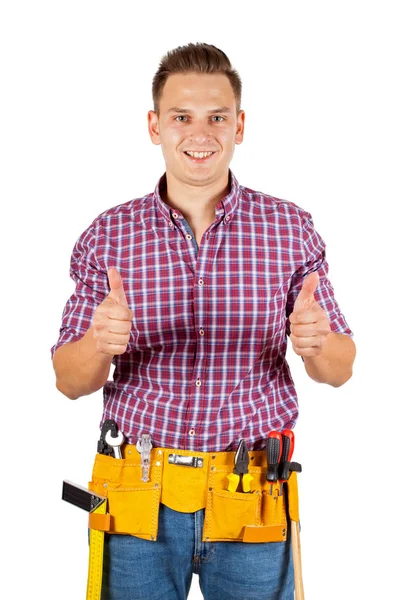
(205, 363)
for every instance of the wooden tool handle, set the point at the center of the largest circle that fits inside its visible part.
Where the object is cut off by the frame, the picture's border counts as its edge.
(296, 553)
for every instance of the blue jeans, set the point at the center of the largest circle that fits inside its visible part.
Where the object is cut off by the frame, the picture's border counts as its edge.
(137, 569)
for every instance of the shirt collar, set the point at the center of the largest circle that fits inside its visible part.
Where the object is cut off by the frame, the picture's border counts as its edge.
(224, 209)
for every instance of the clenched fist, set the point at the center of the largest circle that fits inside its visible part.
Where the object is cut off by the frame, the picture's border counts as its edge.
(309, 323)
(112, 320)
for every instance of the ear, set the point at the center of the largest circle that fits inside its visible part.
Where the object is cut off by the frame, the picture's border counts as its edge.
(240, 127)
(153, 127)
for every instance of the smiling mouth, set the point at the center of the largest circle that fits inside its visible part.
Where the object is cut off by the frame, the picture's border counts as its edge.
(200, 159)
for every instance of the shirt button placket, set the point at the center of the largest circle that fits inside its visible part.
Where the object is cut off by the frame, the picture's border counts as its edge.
(176, 216)
(198, 380)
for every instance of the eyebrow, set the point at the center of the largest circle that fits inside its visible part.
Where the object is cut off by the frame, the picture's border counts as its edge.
(222, 109)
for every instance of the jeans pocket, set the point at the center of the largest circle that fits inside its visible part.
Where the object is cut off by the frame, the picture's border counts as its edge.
(227, 514)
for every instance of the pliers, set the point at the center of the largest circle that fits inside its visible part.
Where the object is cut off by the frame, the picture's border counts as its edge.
(241, 470)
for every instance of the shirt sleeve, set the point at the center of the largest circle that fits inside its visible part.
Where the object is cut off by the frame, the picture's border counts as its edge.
(315, 260)
(91, 289)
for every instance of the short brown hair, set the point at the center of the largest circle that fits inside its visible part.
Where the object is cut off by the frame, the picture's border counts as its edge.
(195, 58)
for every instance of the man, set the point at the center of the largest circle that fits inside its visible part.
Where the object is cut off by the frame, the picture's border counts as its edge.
(190, 292)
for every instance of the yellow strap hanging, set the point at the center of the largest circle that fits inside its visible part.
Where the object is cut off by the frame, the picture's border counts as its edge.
(96, 549)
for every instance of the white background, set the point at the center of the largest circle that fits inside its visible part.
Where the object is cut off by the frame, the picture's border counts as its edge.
(322, 130)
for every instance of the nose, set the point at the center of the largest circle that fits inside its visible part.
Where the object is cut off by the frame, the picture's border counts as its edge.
(200, 133)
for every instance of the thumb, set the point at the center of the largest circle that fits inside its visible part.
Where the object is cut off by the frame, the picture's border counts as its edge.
(306, 295)
(117, 292)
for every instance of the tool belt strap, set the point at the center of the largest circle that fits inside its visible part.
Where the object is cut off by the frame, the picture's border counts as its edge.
(101, 522)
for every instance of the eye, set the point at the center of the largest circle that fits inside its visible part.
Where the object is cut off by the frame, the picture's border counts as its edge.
(178, 117)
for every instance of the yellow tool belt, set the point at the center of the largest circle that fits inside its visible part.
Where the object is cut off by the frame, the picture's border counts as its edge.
(133, 505)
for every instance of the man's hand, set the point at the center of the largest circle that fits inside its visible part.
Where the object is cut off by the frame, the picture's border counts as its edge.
(309, 322)
(112, 320)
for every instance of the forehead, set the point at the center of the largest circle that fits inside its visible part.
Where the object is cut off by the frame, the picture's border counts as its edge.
(182, 89)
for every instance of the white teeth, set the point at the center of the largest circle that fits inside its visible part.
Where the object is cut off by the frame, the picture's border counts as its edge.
(199, 154)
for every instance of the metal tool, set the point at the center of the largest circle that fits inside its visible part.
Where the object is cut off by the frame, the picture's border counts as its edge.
(115, 442)
(102, 446)
(95, 504)
(274, 452)
(241, 470)
(144, 446)
(80, 496)
(185, 461)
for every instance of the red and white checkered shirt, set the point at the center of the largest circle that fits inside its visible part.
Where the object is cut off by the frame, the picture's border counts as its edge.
(205, 364)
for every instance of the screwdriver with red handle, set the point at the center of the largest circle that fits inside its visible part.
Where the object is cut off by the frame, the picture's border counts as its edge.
(274, 453)
(287, 453)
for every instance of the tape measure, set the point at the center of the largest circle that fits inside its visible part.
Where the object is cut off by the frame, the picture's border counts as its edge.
(95, 505)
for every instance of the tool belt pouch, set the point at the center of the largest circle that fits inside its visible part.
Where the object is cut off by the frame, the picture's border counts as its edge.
(293, 496)
(255, 516)
(133, 505)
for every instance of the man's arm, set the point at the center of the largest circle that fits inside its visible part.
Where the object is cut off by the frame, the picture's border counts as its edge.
(328, 357)
(334, 365)
(82, 367)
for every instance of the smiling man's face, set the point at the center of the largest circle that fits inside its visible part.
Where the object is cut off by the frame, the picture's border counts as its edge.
(197, 114)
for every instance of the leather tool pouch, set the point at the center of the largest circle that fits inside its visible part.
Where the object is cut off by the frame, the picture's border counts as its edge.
(256, 516)
(133, 505)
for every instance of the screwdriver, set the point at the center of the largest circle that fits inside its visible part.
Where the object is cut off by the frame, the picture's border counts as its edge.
(274, 452)
(287, 452)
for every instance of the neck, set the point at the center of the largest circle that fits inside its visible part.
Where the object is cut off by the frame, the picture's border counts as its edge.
(196, 203)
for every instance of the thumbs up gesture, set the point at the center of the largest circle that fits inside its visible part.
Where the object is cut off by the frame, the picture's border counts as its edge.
(112, 320)
(309, 323)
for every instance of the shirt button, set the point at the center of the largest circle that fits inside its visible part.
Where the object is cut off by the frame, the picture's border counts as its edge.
(227, 219)
(192, 432)
(201, 281)
(201, 331)
(198, 382)
(188, 236)
(175, 215)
